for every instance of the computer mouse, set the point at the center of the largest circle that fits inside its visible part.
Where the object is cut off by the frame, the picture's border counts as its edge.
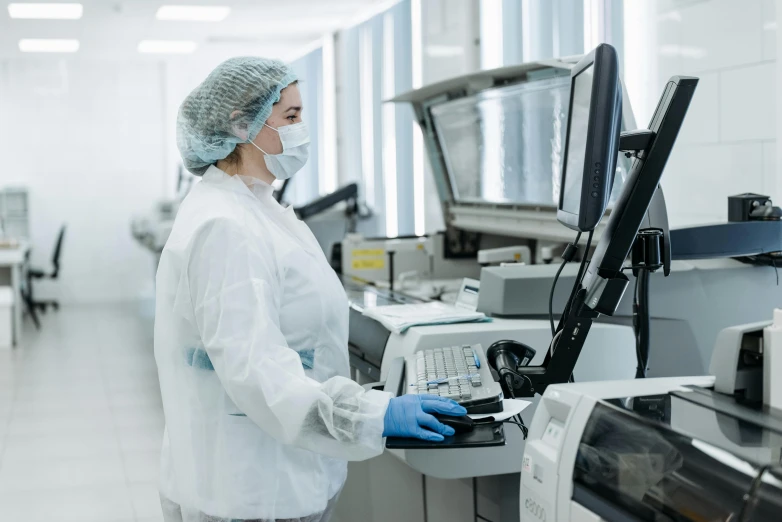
(460, 424)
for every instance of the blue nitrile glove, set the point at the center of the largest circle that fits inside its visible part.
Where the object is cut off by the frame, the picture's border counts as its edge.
(408, 416)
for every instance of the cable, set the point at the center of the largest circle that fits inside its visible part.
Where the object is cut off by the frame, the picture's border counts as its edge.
(518, 420)
(579, 278)
(553, 345)
(641, 319)
(507, 371)
(522, 427)
(570, 251)
(636, 326)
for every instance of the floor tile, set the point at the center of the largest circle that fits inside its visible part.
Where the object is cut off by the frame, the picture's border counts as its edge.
(147, 438)
(72, 398)
(149, 399)
(37, 474)
(139, 418)
(146, 501)
(58, 446)
(100, 504)
(142, 467)
(59, 424)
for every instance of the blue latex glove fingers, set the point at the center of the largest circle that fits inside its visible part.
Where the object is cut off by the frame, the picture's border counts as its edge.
(435, 404)
(405, 417)
(436, 427)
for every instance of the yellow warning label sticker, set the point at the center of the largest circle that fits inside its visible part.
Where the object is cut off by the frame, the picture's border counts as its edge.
(368, 264)
(369, 253)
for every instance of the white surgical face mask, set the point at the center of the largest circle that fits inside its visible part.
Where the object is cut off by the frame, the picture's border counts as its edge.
(295, 150)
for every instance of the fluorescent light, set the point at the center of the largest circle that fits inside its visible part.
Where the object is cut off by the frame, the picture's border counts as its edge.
(419, 200)
(389, 128)
(417, 43)
(491, 34)
(419, 208)
(193, 13)
(166, 46)
(328, 139)
(46, 11)
(367, 110)
(41, 45)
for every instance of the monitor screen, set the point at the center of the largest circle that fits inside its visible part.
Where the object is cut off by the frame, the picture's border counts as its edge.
(577, 140)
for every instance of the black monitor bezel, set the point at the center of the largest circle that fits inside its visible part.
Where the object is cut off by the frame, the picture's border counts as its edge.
(640, 186)
(603, 129)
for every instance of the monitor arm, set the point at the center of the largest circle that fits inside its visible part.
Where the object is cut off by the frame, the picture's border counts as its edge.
(604, 284)
(635, 144)
(348, 193)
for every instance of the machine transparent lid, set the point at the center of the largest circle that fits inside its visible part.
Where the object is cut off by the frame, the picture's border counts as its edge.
(502, 143)
(666, 458)
(505, 145)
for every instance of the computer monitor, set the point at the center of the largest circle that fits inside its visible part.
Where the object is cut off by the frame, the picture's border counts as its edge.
(591, 140)
(605, 266)
(604, 281)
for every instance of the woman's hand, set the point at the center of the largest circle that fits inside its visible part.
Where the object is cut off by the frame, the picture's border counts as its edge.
(409, 416)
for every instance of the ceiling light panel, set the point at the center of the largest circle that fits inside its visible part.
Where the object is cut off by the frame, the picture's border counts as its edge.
(48, 45)
(193, 13)
(166, 47)
(46, 11)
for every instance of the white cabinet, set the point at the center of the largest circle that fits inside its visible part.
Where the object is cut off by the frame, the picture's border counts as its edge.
(14, 213)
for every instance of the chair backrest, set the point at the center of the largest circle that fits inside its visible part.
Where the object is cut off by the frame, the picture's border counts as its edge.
(57, 252)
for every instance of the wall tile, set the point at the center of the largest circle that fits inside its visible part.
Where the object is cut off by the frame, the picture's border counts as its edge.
(769, 30)
(699, 178)
(720, 33)
(772, 181)
(748, 103)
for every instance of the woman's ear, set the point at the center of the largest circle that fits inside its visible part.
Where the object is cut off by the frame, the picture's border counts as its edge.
(238, 129)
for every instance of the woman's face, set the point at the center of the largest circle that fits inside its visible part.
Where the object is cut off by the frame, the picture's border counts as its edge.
(285, 112)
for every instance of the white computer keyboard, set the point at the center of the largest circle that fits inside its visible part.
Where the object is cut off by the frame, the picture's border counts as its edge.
(459, 372)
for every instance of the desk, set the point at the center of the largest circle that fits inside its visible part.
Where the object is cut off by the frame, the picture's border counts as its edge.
(12, 261)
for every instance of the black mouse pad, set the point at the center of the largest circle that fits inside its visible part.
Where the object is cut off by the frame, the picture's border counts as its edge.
(481, 437)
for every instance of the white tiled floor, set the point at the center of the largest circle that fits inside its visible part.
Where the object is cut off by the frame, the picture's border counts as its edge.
(80, 420)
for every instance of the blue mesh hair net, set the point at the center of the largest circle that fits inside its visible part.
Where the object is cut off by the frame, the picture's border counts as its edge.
(246, 87)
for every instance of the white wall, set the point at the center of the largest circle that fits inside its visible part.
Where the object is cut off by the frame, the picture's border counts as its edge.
(87, 139)
(728, 142)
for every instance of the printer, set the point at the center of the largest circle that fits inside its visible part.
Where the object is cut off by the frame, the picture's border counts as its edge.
(685, 448)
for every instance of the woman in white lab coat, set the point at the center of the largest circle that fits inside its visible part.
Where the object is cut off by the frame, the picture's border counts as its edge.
(251, 324)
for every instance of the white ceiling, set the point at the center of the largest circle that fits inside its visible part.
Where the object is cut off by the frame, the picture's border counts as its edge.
(112, 29)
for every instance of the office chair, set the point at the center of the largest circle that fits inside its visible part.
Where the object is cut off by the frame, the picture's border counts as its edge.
(27, 295)
(34, 273)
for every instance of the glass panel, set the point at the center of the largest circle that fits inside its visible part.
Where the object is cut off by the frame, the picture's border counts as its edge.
(505, 145)
(636, 464)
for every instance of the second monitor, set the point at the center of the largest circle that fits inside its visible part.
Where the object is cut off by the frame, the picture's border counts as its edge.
(594, 123)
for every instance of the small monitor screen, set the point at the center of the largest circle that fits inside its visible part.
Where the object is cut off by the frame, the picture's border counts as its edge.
(577, 138)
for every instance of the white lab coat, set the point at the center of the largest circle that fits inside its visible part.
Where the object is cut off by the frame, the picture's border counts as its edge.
(251, 330)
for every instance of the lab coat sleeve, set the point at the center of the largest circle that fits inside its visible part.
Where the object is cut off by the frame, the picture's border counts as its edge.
(235, 293)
